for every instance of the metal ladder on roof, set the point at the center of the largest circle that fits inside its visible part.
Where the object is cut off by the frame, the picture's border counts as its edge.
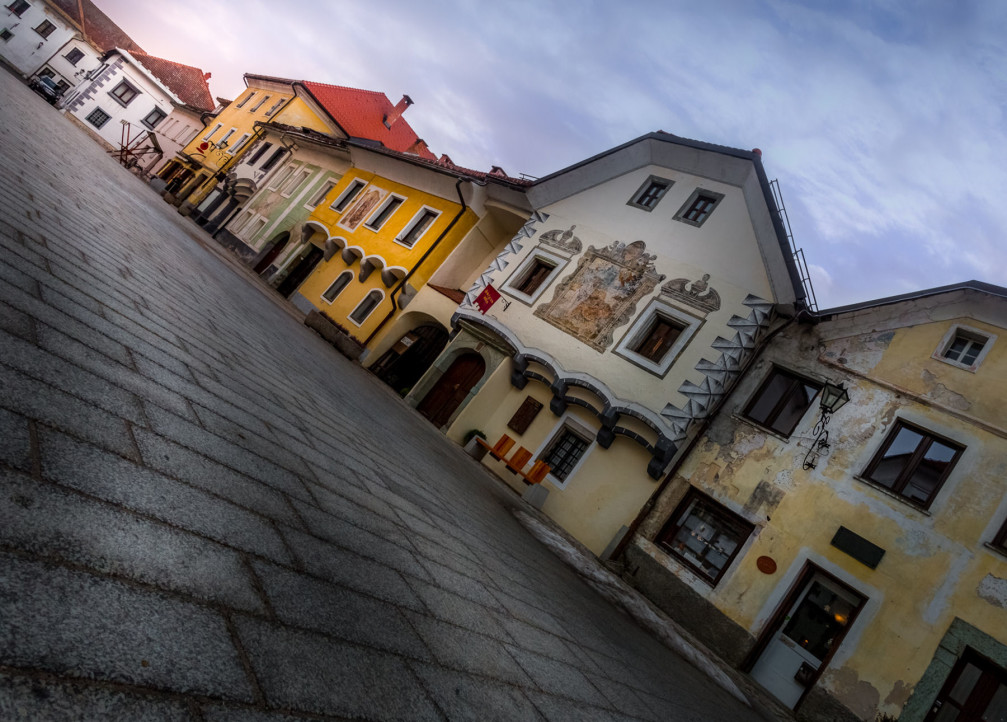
(798, 253)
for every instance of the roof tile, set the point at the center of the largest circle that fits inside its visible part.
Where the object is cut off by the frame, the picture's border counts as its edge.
(185, 81)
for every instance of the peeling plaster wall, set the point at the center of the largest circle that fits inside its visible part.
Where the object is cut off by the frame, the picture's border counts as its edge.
(938, 564)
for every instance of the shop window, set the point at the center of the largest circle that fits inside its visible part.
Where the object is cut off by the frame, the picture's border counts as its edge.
(781, 401)
(913, 463)
(704, 535)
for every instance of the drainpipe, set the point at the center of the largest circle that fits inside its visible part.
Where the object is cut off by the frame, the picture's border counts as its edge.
(714, 412)
(401, 284)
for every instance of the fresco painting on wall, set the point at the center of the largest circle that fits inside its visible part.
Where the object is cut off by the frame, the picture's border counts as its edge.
(602, 293)
(367, 202)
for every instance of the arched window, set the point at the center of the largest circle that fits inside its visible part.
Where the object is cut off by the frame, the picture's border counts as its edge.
(341, 282)
(365, 307)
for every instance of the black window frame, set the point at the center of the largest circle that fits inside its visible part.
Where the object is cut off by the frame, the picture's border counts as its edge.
(731, 521)
(912, 464)
(693, 213)
(45, 28)
(562, 469)
(6, 34)
(797, 381)
(19, 7)
(90, 119)
(162, 115)
(74, 56)
(130, 87)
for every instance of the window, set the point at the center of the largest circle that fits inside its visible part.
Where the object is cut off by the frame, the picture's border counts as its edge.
(913, 463)
(384, 213)
(281, 177)
(273, 159)
(276, 106)
(45, 28)
(652, 190)
(98, 117)
(259, 152)
(209, 135)
(564, 452)
(245, 100)
(254, 229)
(340, 204)
(419, 225)
(1000, 540)
(221, 143)
(256, 106)
(74, 56)
(657, 337)
(18, 7)
(154, 117)
(296, 182)
(124, 93)
(704, 535)
(964, 347)
(241, 142)
(6, 35)
(365, 307)
(781, 401)
(320, 196)
(341, 282)
(699, 207)
(533, 276)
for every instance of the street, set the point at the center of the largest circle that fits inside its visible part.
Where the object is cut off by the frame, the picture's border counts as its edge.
(207, 513)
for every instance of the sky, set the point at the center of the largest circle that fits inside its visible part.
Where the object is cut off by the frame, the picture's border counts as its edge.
(883, 121)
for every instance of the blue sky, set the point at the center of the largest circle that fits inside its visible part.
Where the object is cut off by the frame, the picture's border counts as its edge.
(883, 121)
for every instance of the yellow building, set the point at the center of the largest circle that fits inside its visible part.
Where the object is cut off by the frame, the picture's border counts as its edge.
(211, 160)
(869, 575)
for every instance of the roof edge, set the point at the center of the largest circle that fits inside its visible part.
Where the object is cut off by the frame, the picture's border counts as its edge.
(978, 286)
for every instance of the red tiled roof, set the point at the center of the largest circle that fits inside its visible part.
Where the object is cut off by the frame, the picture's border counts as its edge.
(98, 27)
(447, 164)
(361, 114)
(185, 81)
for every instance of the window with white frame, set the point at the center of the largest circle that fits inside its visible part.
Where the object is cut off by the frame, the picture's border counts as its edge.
(276, 106)
(227, 136)
(259, 152)
(415, 229)
(124, 93)
(245, 100)
(565, 450)
(215, 128)
(154, 117)
(320, 196)
(346, 197)
(296, 182)
(657, 336)
(254, 229)
(533, 275)
(652, 191)
(281, 177)
(698, 208)
(964, 347)
(262, 100)
(342, 281)
(366, 307)
(241, 142)
(384, 212)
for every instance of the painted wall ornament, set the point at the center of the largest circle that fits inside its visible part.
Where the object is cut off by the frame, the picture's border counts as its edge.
(362, 208)
(697, 294)
(563, 240)
(602, 293)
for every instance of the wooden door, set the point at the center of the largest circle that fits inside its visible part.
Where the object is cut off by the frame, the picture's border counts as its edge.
(451, 389)
(301, 271)
(975, 690)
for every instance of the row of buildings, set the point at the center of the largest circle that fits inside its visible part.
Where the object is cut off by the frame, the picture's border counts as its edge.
(818, 495)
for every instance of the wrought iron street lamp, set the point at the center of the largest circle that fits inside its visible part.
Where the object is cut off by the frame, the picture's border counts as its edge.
(834, 397)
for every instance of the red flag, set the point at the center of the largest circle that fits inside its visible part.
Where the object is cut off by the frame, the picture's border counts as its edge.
(487, 298)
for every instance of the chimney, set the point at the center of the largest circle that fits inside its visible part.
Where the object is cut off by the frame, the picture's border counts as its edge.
(397, 111)
(206, 76)
(498, 171)
(444, 159)
(418, 147)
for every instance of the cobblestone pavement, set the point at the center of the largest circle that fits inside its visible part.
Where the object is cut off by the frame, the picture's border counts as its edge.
(206, 513)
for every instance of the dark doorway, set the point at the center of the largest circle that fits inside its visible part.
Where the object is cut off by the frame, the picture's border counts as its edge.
(975, 690)
(299, 272)
(278, 245)
(443, 399)
(402, 365)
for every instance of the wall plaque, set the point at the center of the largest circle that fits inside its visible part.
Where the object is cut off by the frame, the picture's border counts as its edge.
(857, 547)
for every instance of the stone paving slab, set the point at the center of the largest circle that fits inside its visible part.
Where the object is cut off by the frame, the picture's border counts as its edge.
(207, 513)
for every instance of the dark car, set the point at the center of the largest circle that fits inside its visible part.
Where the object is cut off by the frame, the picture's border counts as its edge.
(47, 88)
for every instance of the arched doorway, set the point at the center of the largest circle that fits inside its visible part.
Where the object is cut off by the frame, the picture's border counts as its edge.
(299, 272)
(454, 385)
(402, 365)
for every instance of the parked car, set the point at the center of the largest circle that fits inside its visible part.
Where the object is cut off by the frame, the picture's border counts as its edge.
(47, 88)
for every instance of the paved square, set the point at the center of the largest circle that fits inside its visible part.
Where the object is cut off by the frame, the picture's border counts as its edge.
(206, 513)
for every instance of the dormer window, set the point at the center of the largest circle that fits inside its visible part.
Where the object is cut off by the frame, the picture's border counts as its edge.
(699, 207)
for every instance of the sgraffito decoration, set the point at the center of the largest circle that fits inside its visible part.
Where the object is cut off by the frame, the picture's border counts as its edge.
(562, 240)
(697, 294)
(504, 258)
(602, 293)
